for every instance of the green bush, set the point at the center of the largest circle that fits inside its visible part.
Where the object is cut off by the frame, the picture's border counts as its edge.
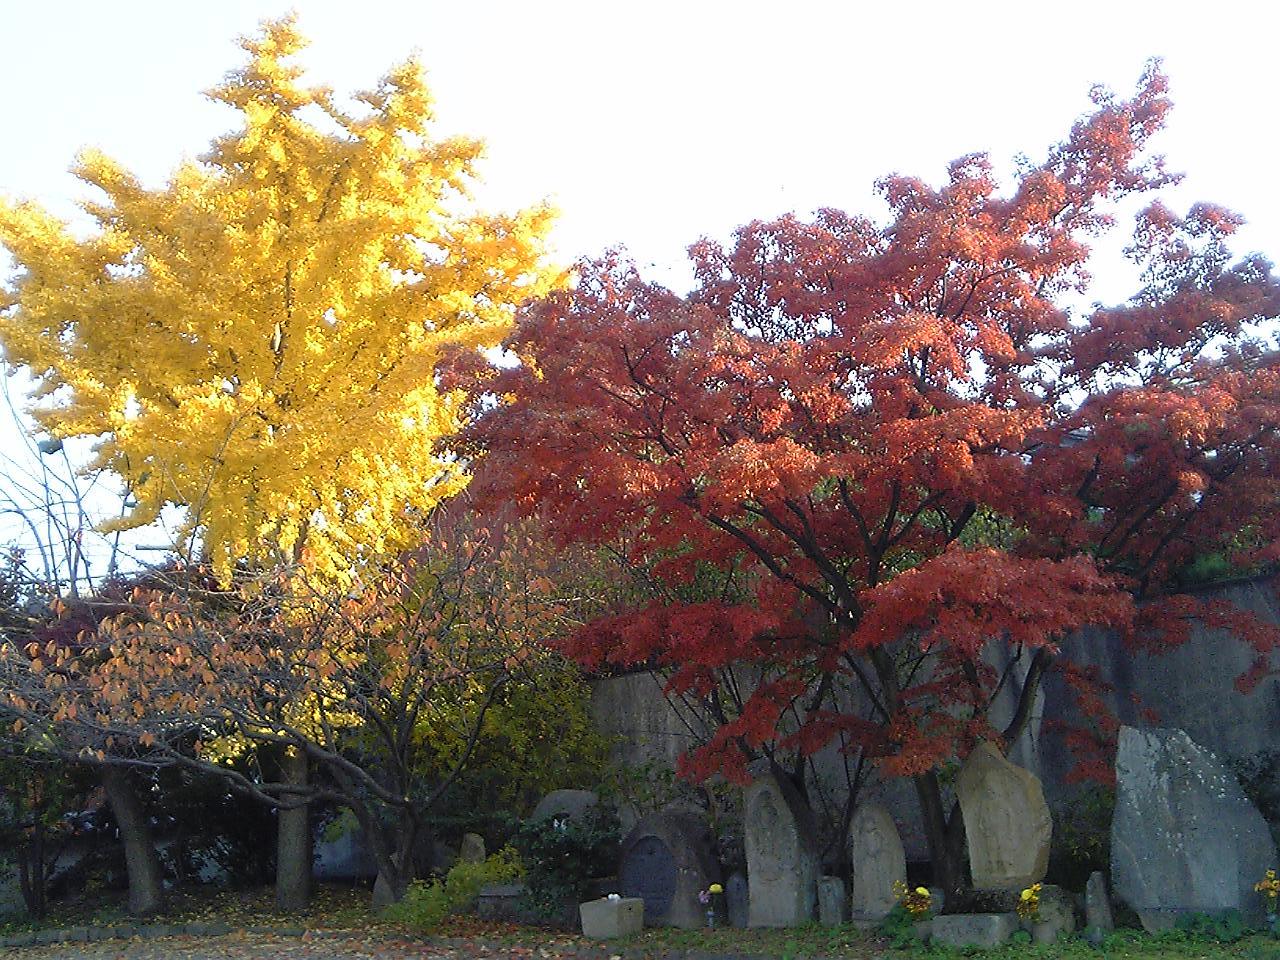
(562, 856)
(1228, 926)
(427, 903)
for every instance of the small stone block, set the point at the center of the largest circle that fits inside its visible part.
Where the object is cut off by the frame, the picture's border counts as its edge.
(833, 908)
(605, 919)
(20, 940)
(49, 936)
(78, 935)
(974, 929)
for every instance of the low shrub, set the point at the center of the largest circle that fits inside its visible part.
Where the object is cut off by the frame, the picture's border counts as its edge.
(428, 903)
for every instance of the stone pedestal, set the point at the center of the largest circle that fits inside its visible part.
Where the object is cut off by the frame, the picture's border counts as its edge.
(607, 919)
(973, 929)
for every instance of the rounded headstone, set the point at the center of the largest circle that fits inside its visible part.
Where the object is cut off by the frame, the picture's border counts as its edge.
(571, 804)
(782, 862)
(877, 861)
(666, 861)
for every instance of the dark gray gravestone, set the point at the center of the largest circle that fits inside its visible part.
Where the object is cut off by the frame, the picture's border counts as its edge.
(667, 860)
(565, 804)
(648, 871)
(735, 899)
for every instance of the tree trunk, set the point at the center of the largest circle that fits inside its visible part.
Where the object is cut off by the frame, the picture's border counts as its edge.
(31, 871)
(945, 836)
(146, 888)
(393, 851)
(293, 841)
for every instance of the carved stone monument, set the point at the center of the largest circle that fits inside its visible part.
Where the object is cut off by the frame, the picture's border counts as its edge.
(1006, 821)
(782, 862)
(877, 861)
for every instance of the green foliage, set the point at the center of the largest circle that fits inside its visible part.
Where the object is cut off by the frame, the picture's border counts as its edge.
(562, 855)
(427, 903)
(1082, 836)
(537, 736)
(1227, 926)
(899, 928)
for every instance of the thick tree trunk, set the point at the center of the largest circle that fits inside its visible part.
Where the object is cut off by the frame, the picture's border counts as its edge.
(293, 841)
(146, 887)
(395, 866)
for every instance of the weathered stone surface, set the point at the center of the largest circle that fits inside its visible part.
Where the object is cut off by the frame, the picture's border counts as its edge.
(565, 803)
(471, 850)
(1184, 837)
(1007, 822)
(877, 861)
(1097, 904)
(782, 862)
(1057, 915)
(500, 901)
(833, 905)
(605, 919)
(973, 929)
(736, 900)
(667, 860)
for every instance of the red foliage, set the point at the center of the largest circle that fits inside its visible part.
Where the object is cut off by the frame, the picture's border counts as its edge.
(921, 462)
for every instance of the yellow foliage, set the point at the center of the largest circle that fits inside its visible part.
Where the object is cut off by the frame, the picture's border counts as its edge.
(259, 341)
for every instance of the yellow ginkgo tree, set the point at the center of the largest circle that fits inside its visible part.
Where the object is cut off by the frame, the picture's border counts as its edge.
(260, 341)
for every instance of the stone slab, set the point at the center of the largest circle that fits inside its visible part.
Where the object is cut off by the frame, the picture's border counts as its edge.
(782, 859)
(833, 904)
(607, 919)
(973, 929)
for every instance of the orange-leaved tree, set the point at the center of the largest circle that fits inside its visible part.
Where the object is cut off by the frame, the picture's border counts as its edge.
(916, 463)
(384, 690)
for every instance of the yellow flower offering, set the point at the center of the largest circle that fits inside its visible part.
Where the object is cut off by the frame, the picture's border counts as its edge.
(917, 902)
(1028, 905)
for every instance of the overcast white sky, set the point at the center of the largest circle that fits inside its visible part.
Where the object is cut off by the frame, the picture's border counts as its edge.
(654, 122)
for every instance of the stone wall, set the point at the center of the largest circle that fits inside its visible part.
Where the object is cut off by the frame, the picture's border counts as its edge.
(1191, 687)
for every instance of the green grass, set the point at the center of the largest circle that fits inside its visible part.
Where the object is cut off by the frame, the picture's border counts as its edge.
(853, 944)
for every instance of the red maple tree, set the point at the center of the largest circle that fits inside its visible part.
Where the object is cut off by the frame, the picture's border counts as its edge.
(905, 449)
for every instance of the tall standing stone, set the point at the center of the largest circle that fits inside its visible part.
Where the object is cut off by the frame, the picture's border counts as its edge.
(1185, 838)
(737, 900)
(1097, 905)
(667, 860)
(782, 861)
(471, 850)
(877, 860)
(1006, 821)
